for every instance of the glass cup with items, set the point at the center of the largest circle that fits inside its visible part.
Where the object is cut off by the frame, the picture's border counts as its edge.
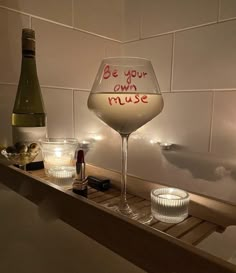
(21, 153)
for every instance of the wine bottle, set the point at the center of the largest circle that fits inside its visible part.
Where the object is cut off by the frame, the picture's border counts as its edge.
(28, 117)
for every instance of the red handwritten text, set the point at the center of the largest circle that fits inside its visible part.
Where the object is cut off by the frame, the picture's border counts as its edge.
(127, 87)
(128, 99)
(129, 74)
(133, 74)
(107, 73)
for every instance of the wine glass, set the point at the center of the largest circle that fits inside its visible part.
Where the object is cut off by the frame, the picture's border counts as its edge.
(125, 95)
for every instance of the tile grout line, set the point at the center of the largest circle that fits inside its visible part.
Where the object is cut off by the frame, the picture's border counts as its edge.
(78, 89)
(35, 16)
(180, 30)
(73, 112)
(174, 31)
(60, 24)
(211, 123)
(140, 21)
(118, 41)
(72, 15)
(219, 10)
(172, 63)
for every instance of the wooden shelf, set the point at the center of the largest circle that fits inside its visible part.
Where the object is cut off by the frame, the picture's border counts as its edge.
(192, 230)
(158, 247)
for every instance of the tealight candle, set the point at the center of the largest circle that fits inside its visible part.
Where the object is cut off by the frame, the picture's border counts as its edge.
(169, 205)
(58, 152)
(54, 160)
(62, 176)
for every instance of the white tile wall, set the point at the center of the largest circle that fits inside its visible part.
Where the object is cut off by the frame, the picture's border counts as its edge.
(11, 24)
(181, 122)
(105, 142)
(228, 9)
(59, 109)
(105, 17)
(224, 125)
(159, 51)
(131, 20)
(7, 97)
(199, 55)
(166, 15)
(58, 11)
(72, 61)
(204, 58)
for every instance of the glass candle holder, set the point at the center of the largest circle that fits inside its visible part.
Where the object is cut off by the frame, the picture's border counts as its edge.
(62, 175)
(58, 152)
(169, 205)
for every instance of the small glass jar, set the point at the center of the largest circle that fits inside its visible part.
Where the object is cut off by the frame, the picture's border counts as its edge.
(169, 205)
(58, 152)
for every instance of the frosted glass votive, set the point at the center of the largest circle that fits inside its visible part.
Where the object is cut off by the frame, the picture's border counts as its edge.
(169, 205)
(58, 152)
(62, 176)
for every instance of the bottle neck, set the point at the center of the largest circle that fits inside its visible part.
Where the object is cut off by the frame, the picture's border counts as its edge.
(28, 66)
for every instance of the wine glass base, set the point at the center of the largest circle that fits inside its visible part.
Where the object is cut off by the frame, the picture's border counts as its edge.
(131, 213)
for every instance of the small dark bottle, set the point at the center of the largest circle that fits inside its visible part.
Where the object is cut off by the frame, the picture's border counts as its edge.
(80, 184)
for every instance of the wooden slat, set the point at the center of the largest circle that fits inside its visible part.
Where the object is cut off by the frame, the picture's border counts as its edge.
(162, 226)
(106, 196)
(115, 200)
(183, 227)
(199, 233)
(91, 190)
(95, 194)
(142, 204)
(134, 200)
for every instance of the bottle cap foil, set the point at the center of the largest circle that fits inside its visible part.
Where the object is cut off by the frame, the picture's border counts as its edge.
(28, 40)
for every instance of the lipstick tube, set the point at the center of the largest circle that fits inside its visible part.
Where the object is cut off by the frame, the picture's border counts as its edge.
(80, 183)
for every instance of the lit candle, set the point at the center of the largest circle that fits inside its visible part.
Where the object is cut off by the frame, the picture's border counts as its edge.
(169, 204)
(57, 158)
(58, 152)
(62, 172)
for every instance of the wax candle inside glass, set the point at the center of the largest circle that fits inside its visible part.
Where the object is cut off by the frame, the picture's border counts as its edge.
(58, 153)
(169, 205)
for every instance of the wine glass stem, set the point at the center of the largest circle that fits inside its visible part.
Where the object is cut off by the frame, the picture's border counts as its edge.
(123, 206)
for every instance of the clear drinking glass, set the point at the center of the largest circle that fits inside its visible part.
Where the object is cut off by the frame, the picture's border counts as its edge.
(58, 156)
(125, 95)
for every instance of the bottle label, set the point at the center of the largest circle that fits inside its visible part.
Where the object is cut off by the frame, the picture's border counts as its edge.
(29, 135)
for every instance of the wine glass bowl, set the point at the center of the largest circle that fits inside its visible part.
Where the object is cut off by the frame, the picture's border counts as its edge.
(125, 96)
(20, 159)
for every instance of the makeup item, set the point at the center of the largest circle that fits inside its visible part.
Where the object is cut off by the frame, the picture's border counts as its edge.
(80, 187)
(80, 182)
(80, 165)
(99, 183)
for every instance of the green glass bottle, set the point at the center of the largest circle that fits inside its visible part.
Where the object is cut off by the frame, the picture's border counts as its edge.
(28, 117)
